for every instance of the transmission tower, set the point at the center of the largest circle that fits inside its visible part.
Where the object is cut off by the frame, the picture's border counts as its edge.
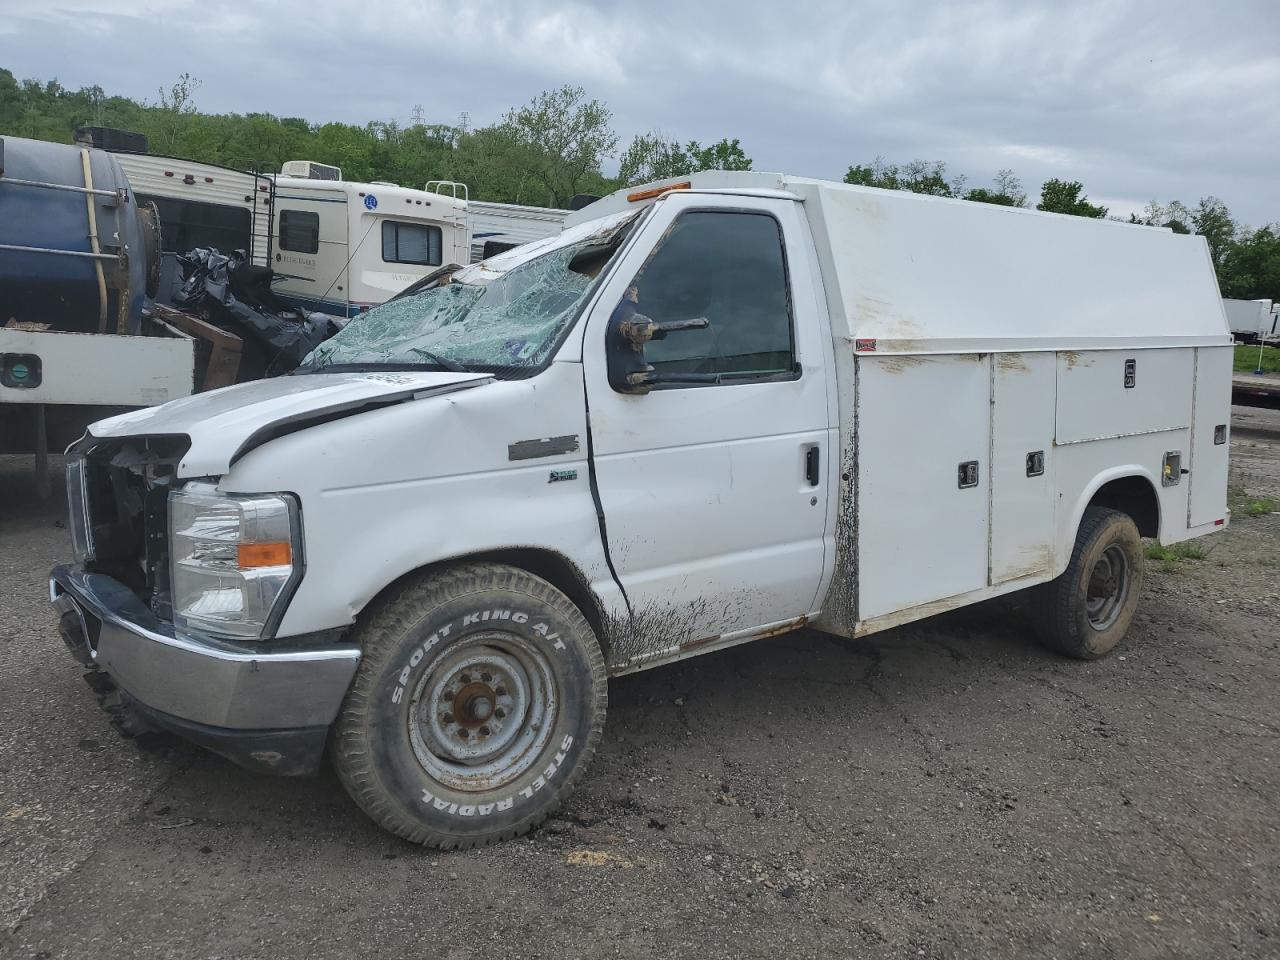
(419, 118)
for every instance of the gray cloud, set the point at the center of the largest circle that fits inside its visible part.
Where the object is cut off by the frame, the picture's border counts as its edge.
(1139, 100)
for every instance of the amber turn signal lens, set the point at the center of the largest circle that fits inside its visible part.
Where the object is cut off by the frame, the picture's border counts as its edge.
(250, 555)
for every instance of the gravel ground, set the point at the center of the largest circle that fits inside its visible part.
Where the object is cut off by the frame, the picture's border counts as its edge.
(944, 789)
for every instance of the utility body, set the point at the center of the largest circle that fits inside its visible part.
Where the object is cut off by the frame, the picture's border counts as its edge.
(712, 410)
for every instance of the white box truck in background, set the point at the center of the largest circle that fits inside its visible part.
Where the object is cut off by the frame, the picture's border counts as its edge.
(711, 411)
(1251, 320)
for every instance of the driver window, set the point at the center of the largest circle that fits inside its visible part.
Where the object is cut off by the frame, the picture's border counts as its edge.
(729, 268)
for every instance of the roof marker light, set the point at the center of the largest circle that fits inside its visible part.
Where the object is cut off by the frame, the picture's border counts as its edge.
(658, 191)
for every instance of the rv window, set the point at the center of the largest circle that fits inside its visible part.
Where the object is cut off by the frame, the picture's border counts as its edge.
(299, 231)
(188, 224)
(729, 268)
(411, 243)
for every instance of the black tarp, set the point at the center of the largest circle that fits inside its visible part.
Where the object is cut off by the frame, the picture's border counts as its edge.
(236, 296)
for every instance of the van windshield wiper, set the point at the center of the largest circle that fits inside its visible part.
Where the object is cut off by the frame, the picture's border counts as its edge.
(452, 365)
(391, 366)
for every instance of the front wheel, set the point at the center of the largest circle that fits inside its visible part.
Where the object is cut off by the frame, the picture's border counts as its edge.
(479, 700)
(1086, 612)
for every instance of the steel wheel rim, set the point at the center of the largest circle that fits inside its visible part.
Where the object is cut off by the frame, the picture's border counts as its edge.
(482, 711)
(1108, 588)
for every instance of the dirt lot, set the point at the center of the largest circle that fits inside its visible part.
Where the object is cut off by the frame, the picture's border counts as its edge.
(946, 789)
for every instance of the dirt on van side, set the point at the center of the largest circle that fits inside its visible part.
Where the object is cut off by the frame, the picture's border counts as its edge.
(946, 789)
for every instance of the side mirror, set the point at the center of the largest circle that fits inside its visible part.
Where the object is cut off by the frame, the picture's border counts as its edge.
(627, 334)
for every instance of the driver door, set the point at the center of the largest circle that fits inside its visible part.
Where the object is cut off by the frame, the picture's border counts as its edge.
(714, 494)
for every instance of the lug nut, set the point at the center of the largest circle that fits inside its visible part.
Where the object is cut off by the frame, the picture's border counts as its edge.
(462, 732)
(499, 713)
(465, 678)
(484, 731)
(501, 691)
(448, 694)
(447, 718)
(486, 676)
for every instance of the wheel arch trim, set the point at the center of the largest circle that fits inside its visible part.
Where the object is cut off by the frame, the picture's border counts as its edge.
(1129, 471)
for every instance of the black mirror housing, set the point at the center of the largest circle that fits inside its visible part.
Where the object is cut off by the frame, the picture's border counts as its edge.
(628, 331)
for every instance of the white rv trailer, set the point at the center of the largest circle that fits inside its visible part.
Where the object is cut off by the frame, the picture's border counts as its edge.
(343, 247)
(204, 205)
(496, 227)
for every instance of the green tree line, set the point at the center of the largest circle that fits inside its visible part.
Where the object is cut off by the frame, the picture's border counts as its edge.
(542, 153)
(553, 147)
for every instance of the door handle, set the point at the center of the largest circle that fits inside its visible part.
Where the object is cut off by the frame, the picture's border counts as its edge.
(811, 461)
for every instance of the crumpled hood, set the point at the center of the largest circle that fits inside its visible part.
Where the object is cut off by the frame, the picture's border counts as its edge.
(225, 424)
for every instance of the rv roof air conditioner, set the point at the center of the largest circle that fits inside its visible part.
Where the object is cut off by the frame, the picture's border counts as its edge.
(310, 170)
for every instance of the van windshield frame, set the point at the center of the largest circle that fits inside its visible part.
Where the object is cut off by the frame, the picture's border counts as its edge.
(507, 316)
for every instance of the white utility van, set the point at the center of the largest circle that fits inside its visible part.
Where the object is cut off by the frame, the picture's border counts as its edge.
(710, 411)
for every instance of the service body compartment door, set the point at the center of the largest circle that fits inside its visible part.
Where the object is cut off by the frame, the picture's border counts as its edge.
(922, 526)
(1123, 393)
(1022, 501)
(1208, 496)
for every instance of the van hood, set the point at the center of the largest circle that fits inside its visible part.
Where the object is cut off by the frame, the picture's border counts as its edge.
(223, 425)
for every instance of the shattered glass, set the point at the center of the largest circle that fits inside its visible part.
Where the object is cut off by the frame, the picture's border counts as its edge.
(512, 319)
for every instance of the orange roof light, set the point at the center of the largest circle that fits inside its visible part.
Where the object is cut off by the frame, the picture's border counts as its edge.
(658, 191)
(251, 555)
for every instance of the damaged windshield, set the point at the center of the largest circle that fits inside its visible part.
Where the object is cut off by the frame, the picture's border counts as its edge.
(507, 312)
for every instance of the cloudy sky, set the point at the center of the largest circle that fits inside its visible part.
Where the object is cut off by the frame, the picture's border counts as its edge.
(1139, 99)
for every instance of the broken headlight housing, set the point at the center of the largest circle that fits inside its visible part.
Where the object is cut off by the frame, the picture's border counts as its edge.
(235, 561)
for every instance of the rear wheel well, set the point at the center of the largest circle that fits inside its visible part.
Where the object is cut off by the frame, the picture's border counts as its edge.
(553, 567)
(1134, 496)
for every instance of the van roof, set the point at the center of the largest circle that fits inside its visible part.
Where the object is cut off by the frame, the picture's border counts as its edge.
(909, 273)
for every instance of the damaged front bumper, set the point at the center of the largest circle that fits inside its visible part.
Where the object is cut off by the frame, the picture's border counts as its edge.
(266, 707)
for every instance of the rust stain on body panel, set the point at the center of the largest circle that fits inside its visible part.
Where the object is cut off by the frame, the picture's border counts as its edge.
(1013, 362)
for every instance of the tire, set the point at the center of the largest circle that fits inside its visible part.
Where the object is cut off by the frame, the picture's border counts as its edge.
(1086, 612)
(517, 662)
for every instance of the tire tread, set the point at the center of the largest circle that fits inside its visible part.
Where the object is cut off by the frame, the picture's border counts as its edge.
(379, 637)
(1053, 606)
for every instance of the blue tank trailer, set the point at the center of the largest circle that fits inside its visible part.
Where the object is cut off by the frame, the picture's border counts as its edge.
(77, 253)
(80, 254)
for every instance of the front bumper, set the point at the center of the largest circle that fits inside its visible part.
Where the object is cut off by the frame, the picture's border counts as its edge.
(220, 690)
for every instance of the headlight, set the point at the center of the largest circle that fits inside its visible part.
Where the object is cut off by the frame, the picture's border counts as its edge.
(235, 560)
